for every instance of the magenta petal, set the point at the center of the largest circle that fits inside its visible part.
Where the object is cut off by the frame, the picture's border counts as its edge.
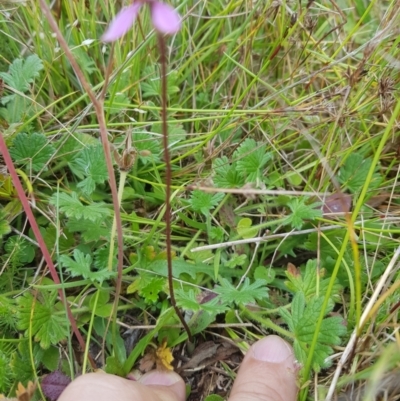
(122, 22)
(165, 18)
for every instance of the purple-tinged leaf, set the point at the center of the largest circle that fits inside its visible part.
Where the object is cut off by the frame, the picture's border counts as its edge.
(54, 384)
(122, 22)
(336, 204)
(165, 18)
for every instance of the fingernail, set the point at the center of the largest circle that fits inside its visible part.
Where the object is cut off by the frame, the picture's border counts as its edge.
(272, 349)
(160, 378)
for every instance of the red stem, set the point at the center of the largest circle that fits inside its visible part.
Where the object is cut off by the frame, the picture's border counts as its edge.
(39, 238)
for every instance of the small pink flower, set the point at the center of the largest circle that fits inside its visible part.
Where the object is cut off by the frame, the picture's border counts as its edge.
(165, 19)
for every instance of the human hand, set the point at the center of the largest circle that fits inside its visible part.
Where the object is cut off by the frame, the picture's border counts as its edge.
(267, 373)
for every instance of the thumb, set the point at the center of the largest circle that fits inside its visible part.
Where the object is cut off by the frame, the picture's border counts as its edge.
(267, 373)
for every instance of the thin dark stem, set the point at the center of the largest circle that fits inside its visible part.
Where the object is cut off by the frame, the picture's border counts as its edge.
(167, 159)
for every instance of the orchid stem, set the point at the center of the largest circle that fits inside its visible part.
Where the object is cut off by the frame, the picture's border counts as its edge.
(168, 174)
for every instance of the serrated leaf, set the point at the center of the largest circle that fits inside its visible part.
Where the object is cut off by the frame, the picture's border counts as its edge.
(306, 281)
(70, 148)
(54, 384)
(90, 230)
(22, 73)
(33, 150)
(246, 294)
(147, 145)
(151, 290)
(176, 132)
(302, 212)
(90, 166)
(8, 313)
(19, 250)
(302, 322)
(204, 202)
(226, 175)
(21, 362)
(152, 86)
(101, 257)
(265, 273)
(251, 158)
(73, 207)
(81, 266)
(355, 171)
(39, 317)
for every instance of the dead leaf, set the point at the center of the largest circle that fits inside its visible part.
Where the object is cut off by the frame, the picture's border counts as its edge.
(336, 204)
(161, 357)
(22, 393)
(164, 357)
(293, 270)
(377, 200)
(208, 353)
(148, 361)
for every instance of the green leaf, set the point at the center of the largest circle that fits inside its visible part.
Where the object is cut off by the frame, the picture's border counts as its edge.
(81, 266)
(176, 132)
(147, 146)
(244, 228)
(4, 226)
(246, 294)
(21, 363)
(90, 166)
(19, 250)
(73, 207)
(22, 73)
(265, 273)
(51, 358)
(204, 202)
(227, 175)
(236, 260)
(188, 301)
(214, 397)
(152, 289)
(302, 212)
(90, 230)
(8, 313)
(39, 317)
(69, 146)
(101, 256)
(152, 86)
(65, 241)
(33, 150)
(355, 171)
(6, 374)
(306, 281)
(302, 323)
(251, 158)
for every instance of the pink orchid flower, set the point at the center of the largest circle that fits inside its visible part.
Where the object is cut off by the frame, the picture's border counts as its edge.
(165, 19)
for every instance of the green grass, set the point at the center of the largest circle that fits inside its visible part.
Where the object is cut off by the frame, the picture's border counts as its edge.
(314, 90)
